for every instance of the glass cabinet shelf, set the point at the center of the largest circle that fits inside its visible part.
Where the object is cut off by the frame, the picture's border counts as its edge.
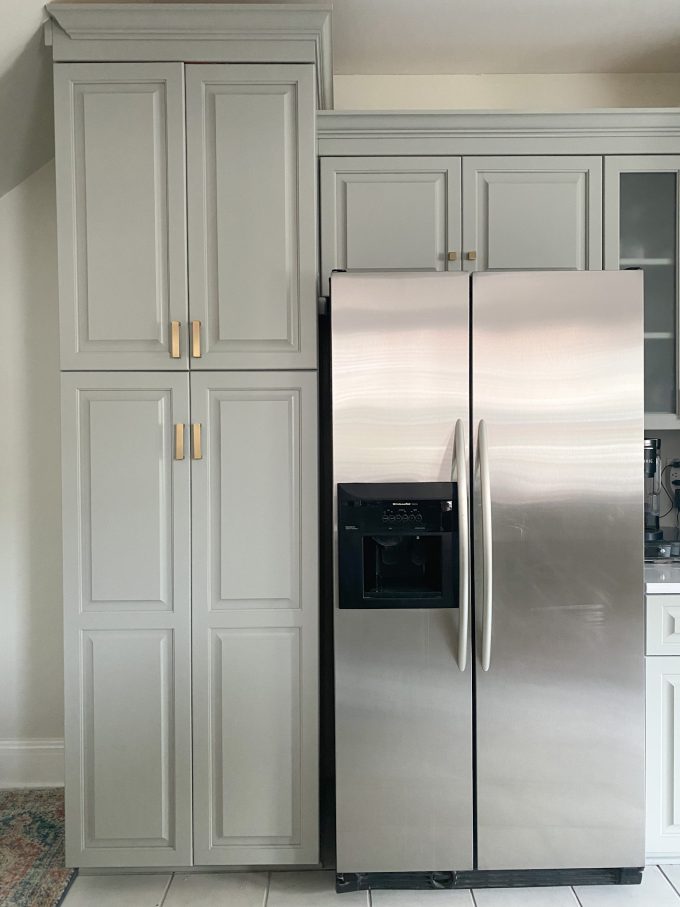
(640, 262)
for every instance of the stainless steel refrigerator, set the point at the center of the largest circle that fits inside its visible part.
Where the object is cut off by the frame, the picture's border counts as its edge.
(494, 736)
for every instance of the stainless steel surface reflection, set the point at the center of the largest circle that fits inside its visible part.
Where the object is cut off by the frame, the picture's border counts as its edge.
(403, 708)
(557, 377)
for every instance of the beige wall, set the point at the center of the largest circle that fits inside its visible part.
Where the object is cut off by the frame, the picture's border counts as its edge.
(31, 699)
(26, 129)
(571, 91)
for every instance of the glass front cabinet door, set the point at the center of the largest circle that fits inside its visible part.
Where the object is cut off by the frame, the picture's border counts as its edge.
(641, 231)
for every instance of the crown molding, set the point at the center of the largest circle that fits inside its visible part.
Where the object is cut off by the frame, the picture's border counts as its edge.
(214, 32)
(597, 131)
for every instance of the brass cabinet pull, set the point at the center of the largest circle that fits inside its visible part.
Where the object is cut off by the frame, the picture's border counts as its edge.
(179, 440)
(197, 451)
(452, 256)
(174, 339)
(196, 339)
(471, 256)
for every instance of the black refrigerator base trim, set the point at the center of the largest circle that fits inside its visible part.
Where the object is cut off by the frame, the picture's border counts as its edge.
(487, 878)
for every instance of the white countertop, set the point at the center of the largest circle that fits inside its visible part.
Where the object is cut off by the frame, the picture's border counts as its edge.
(661, 579)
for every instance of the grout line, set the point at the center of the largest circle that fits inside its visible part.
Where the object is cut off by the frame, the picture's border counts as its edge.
(167, 889)
(661, 870)
(576, 897)
(474, 899)
(369, 900)
(266, 889)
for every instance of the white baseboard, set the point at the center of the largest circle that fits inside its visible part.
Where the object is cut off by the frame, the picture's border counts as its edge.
(32, 763)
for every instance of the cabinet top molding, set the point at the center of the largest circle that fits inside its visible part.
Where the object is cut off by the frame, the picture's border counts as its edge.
(206, 32)
(611, 131)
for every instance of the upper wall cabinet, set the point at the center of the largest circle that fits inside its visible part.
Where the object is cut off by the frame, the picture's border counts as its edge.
(121, 215)
(251, 211)
(641, 231)
(390, 214)
(532, 213)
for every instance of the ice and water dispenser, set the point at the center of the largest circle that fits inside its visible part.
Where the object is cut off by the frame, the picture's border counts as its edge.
(397, 545)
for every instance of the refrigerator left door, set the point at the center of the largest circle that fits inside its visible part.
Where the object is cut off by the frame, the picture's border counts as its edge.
(403, 704)
(127, 618)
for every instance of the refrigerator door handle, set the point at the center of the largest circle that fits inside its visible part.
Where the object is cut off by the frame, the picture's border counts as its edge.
(487, 543)
(459, 473)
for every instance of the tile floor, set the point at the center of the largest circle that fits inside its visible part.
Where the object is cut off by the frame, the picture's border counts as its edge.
(660, 888)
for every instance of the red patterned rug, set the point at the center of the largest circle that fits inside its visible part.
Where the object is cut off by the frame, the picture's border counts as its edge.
(32, 872)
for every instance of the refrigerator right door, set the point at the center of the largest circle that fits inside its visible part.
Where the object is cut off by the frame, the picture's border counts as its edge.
(557, 406)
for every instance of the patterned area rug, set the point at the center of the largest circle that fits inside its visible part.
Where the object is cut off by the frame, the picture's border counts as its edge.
(32, 872)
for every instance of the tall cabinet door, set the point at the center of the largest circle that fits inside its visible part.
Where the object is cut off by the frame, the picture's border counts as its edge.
(127, 619)
(532, 213)
(663, 756)
(255, 618)
(119, 148)
(559, 593)
(252, 215)
(389, 214)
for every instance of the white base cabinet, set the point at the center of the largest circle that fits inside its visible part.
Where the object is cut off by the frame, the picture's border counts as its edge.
(663, 757)
(662, 648)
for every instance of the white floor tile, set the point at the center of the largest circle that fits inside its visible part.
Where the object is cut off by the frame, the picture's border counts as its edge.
(655, 891)
(672, 873)
(117, 891)
(310, 889)
(382, 898)
(235, 889)
(525, 897)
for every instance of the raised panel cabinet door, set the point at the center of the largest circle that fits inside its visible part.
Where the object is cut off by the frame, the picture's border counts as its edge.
(532, 213)
(662, 838)
(251, 170)
(127, 618)
(255, 618)
(390, 214)
(119, 148)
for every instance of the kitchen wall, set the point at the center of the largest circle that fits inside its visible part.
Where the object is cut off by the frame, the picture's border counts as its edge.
(31, 708)
(535, 91)
(31, 701)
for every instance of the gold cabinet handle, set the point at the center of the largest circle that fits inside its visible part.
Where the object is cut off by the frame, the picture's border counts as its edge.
(452, 256)
(471, 256)
(196, 339)
(174, 339)
(196, 450)
(179, 440)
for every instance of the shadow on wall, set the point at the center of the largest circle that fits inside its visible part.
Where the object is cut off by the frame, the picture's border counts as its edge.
(26, 114)
(31, 705)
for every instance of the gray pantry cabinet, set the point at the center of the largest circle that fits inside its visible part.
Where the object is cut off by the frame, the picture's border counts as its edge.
(186, 205)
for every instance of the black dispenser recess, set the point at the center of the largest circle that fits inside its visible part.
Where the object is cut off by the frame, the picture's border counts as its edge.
(397, 545)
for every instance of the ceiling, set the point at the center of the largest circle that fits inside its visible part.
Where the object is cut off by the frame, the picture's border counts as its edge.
(496, 36)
